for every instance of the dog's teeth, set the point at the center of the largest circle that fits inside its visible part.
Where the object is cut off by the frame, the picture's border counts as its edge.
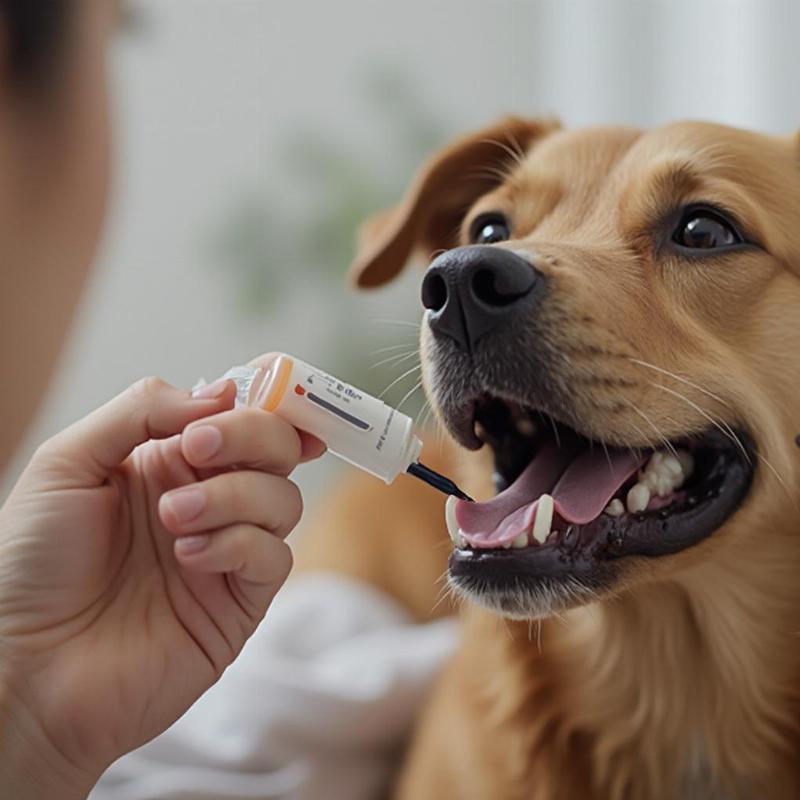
(521, 541)
(544, 518)
(452, 525)
(649, 478)
(506, 545)
(665, 486)
(638, 498)
(615, 508)
(665, 472)
(525, 426)
(687, 463)
(671, 465)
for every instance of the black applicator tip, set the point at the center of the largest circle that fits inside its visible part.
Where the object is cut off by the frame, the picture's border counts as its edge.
(437, 481)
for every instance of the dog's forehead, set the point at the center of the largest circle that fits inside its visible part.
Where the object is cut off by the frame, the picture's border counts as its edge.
(579, 157)
(589, 155)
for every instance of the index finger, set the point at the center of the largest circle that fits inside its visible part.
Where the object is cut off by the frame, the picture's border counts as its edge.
(243, 437)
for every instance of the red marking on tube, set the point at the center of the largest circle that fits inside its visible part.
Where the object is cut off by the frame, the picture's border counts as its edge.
(298, 389)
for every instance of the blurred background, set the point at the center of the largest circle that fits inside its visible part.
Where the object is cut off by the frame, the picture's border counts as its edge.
(255, 135)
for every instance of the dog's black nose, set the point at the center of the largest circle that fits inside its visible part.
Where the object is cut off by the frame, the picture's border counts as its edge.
(470, 290)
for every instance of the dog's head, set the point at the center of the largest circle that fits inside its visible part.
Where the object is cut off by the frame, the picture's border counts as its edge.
(614, 315)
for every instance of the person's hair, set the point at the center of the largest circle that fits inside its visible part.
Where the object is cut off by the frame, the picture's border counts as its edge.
(35, 32)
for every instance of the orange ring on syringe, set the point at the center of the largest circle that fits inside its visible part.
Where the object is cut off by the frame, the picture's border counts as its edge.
(284, 365)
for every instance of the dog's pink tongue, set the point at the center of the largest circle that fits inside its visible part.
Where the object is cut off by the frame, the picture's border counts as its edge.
(590, 482)
(581, 484)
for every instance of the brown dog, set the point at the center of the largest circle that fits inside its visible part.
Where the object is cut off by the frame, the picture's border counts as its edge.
(612, 294)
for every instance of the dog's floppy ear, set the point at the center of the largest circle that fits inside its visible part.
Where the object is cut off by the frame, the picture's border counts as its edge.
(428, 217)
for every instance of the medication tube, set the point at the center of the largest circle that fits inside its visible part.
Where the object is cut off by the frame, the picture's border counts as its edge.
(356, 427)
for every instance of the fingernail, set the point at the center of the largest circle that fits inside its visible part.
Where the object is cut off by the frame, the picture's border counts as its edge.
(186, 504)
(210, 390)
(192, 544)
(202, 442)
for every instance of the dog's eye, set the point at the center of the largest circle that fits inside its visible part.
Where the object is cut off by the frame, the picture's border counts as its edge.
(704, 229)
(490, 228)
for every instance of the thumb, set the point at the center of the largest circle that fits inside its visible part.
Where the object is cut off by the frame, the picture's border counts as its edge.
(87, 451)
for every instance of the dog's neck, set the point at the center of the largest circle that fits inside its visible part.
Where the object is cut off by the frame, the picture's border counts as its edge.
(700, 672)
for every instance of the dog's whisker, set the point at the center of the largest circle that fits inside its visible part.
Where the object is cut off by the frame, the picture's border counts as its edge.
(640, 433)
(397, 358)
(516, 145)
(409, 343)
(555, 432)
(723, 427)
(778, 477)
(666, 442)
(415, 388)
(608, 457)
(681, 379)
(400, 378)
(446, 592)
(407, 323)
(509, 151)
(489, 173)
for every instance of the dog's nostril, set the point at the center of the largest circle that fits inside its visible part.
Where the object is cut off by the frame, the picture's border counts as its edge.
(434, 292)
(487, 286)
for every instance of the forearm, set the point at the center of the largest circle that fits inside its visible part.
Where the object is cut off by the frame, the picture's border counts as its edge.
(31, 767)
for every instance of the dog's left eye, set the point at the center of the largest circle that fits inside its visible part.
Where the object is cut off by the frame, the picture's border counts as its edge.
(490, 228)
(704, 229)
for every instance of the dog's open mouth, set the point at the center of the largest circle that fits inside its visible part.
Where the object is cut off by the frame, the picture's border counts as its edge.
(566, 502)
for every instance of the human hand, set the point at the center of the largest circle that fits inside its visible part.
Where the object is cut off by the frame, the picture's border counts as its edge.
(138, 552)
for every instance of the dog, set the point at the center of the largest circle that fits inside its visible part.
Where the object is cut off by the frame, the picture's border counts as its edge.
(612, 319)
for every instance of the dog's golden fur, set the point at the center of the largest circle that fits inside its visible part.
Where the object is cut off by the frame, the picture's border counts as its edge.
(683, 680)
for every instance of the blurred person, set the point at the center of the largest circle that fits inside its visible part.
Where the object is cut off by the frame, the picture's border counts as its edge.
(134, 562)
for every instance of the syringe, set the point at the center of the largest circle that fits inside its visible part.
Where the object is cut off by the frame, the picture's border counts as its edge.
(356, 427)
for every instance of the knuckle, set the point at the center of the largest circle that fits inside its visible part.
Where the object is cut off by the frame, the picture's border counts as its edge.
(47, 450)
(235, 492)
(148, 388)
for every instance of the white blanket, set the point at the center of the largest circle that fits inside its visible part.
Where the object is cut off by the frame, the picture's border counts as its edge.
(317, 707)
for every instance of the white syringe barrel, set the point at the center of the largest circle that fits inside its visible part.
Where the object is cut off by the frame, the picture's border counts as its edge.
(361, 429)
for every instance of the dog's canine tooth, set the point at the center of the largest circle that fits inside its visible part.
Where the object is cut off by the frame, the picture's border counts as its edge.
(638, 498)
(521, 541)
(615, 508)
(544, 518)
(452, 525)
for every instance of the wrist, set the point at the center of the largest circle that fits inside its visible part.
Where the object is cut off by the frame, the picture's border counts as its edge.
(31, 766)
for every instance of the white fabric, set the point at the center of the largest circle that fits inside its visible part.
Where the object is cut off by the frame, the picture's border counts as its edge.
(317, 706)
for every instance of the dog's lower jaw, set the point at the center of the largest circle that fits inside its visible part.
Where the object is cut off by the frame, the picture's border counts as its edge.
(690, 688)
(678, 690)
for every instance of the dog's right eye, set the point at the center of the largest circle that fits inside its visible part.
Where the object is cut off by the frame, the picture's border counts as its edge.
(489, 228)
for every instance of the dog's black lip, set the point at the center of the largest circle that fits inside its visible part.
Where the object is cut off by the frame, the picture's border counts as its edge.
(589, 553)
